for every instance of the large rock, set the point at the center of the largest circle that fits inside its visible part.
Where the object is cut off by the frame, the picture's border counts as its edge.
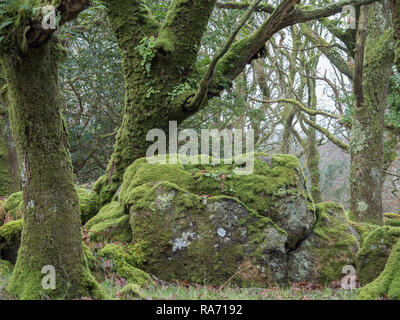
(373, 255)
(204, 224)
(330, 246)
(276, 189)
(183, 236)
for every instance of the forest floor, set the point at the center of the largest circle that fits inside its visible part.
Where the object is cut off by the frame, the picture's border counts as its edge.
(197, 292)
(184, 291)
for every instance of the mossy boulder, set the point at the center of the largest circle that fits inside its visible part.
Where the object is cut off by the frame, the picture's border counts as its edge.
(330, 245)
(276, 188)
(362, 230)
(391, 219)
(88, 203)
(373, 255)
(110, 224)
(14, 205)
(388, 283)
(180, 235)
(10, 239)
(125, 263)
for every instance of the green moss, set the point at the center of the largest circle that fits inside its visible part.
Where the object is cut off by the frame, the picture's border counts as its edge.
(88, 203)
(373, 255)
(391, 219)
(276, 177)
(14, 205)
(111, 211)
(132, 291)
(125, 261)
(388, 282)
(112, 230)
(363, 229)
(12, 230)
(6, 268)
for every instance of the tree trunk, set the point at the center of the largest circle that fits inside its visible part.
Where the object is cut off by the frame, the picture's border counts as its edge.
(159, 65)
(52, 227)
(371, 83)
(312, 150)
(9, 170)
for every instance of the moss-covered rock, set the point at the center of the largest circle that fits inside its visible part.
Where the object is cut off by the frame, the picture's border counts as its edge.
(125, 263)
(14, 205)
(391, 219)
(110, 224)
(276, 188)
(362, 230)
(388, 283)
(183, 236)
(373, 255)
(10, 238)
(88, 203)
(330, 246)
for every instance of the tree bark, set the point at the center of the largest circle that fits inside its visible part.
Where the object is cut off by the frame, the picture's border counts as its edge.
(371, 82)
(52, 227)
(9, 170)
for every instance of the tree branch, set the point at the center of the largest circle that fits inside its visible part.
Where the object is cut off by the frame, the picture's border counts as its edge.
(300, 106)
(333, 56)
(321, 129)
(68, 10)
(267, 8)
(208, 76)
(246, 50)
(183, 28)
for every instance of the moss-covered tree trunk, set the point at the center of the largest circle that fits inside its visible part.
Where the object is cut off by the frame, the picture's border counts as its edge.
(371, 83)
(9, 171)
(312, 149)
(159, 64)
(52, 226)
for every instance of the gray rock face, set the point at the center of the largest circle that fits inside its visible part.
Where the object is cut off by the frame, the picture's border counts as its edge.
(329, 247)
(206, 240)
(293, 216)
(203, 224)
